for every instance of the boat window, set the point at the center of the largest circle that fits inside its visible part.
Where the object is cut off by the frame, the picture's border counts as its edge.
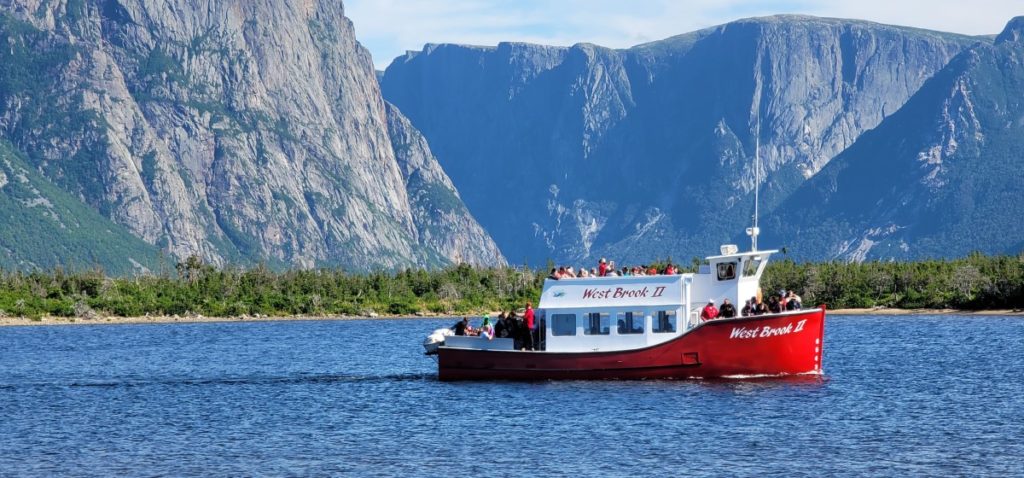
(597, 323)
(664, 322)
(750, 266)
(630, 322)
(726, 270)
(563, 324)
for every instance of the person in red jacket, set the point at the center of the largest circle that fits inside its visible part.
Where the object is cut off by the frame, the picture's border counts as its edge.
(670, 270)
(709, 312)
(529, 328)
(602, 268)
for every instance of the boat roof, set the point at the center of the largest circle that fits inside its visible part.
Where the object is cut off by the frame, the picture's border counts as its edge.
(593, 292)
(743, 254)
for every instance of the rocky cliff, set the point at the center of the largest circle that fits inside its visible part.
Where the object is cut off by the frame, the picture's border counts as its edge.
(443, 223)
(941, 177)
(574, 153)
(236, 130)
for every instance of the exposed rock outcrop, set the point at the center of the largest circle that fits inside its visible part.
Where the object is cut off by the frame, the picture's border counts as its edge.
(236, 130)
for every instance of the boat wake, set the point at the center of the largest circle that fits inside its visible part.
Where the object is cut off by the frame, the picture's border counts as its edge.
(812, 375)
(215, 381)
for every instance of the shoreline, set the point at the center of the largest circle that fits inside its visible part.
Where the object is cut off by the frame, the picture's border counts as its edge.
(197, 319)
(886, 311)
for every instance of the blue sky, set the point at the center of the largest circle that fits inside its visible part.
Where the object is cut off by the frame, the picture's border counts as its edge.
(389, 27)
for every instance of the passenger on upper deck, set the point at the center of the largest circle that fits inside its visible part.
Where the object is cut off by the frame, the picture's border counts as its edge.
(746, 311)
(670, 270)
(727, 311)
(709, 312)
(602, 268)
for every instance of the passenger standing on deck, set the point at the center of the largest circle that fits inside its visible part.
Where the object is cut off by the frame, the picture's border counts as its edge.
(500, 324)
(510, 326)
(794, 302)
(602, 268)
(487, 330)
(461, 326)
(746, 311)
(728, 310)
(670, 270)
(773, 305)
(759, 306)
(709, 312)
(529, 327)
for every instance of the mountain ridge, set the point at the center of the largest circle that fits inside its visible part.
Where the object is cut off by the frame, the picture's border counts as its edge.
(582, 131)
(952, 154)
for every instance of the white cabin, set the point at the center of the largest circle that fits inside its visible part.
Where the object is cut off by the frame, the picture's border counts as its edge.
(621, 313)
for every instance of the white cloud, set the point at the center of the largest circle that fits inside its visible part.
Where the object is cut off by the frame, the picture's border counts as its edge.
(389, 27)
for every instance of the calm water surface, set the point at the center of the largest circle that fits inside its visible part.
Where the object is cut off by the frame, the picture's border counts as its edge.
(902, 395)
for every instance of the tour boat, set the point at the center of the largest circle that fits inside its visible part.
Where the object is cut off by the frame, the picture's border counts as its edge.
(647, 327)
(650, 327)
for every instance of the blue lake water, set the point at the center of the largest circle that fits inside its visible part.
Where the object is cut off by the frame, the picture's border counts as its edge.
(901, 395)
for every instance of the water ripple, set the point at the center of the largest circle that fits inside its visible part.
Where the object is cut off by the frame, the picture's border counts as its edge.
(902, 396)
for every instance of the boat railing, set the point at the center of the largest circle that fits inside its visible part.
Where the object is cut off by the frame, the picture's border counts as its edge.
(693, 317)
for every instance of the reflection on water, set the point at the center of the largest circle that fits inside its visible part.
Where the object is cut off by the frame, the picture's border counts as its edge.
(901, 395)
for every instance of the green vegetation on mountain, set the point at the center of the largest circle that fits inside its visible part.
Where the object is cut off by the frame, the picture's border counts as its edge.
(45, 227)
(191, 287)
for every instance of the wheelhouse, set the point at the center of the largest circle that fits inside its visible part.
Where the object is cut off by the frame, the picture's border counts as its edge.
(621, 313)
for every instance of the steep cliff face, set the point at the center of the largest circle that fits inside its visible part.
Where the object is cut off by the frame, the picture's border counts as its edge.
(442, 221)
(573, 153)
(941, 177)
(236, 130)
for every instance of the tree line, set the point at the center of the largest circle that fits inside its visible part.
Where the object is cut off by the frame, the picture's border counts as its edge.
(975, 282)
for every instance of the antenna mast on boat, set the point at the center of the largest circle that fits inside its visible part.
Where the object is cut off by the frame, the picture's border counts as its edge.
(754, 231)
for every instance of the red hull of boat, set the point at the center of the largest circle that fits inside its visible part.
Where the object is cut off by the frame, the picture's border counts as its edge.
(771, 345)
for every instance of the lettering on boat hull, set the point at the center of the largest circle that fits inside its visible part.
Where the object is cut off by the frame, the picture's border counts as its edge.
(767, 331)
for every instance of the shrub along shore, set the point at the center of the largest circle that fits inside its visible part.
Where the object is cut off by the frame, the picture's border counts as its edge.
(192, 289)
